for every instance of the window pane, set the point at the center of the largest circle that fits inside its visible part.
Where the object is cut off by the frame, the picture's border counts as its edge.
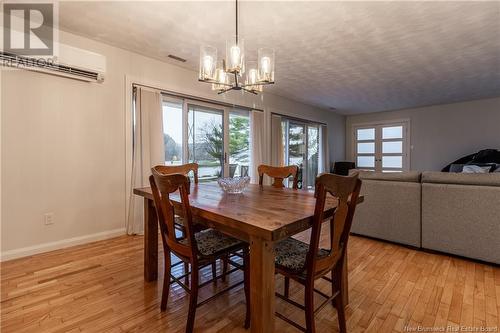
(239, 143)
(395, 132)
(393, 147)
(366, 162)
(296, 148)
(366, 148)
(392, 161)
(206, 142)
(172, 132)
(312, 155)
(366, 134)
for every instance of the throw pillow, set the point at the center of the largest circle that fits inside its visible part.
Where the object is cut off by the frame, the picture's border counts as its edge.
(456, 167)
(476, 169)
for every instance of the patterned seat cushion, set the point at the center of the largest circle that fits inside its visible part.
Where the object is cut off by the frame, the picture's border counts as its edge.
(291, 254)
(211, 242)
(179, 220)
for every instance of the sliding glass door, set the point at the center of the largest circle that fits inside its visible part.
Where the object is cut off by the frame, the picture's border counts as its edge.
(239, 143)
(206, 141)
(172, 131)
(215, 137)
(301, 148)
(312, 168)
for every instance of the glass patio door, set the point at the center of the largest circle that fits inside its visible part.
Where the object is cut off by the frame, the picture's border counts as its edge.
(215, 137)
(295, 147)
(301, 146)
(239, 143)
(206, 141)
(312, 168)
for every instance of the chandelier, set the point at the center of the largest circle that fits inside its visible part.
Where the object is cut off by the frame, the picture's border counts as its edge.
(233, 73)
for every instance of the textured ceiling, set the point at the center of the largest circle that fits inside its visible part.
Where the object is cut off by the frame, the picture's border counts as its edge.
(353, 56)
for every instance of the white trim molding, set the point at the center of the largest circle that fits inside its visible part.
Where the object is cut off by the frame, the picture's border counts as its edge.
(61, 244)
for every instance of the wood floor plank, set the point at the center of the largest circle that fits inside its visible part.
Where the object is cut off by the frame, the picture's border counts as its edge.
(99, 287)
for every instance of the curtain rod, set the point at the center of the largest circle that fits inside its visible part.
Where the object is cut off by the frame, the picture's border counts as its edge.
(305, 121)
(195, 98)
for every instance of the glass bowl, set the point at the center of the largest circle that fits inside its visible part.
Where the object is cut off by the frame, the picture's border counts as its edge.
(233, 185)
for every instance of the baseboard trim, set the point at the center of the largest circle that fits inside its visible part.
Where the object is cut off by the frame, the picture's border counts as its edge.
(61, 244)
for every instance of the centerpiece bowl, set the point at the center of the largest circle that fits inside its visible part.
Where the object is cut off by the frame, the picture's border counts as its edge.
(233, 185)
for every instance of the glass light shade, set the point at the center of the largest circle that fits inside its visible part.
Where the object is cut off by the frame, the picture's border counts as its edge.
(266, 65)
(235, 55)
(208, 61)
(252, 76)
(221, 77)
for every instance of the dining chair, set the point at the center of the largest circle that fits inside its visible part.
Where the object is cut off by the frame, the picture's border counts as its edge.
(306, 263)
(198, 249)
(185, 169)
(278, 174)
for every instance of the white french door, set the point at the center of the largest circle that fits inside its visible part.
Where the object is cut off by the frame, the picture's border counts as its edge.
(382, 147)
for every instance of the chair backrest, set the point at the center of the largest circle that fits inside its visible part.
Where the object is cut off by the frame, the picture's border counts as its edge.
(279, 174)
(345, 189)
(183, 169)
(162, 186)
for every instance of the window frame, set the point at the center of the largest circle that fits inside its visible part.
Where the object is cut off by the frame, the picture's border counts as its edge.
(378, 142)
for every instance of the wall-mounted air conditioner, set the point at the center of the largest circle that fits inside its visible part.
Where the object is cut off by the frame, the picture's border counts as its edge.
(70, 62)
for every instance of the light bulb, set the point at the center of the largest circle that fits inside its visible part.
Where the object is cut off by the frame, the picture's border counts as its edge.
(265, 65)
(235, 56)
(221, 76)
(207, 65)
(252, 76)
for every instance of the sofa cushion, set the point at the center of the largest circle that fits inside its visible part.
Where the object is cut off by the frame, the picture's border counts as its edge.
(482, 179)
(390, 211)
(462, 220)
(411, 176)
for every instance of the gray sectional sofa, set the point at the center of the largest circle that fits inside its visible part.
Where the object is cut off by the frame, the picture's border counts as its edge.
(391, 209)
(449, 212)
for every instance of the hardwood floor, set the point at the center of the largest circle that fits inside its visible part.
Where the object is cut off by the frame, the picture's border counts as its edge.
(99, 287)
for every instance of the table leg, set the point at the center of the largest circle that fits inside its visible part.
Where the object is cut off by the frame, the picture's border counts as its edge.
(150, 241)
(261, 286)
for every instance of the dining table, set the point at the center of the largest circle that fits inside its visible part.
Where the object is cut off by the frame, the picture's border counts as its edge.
(261, 216)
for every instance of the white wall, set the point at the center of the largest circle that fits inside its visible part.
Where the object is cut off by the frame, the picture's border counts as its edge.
(63, 146)
(442, 134)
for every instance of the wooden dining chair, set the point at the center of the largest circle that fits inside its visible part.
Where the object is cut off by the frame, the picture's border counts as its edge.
(185, 169)
(306, 263)
(198, 249)
(278, 174)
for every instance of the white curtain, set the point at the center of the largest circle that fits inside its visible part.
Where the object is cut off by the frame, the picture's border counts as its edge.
(324, 158)
(256, 144)
(277, 151)
(148, 151)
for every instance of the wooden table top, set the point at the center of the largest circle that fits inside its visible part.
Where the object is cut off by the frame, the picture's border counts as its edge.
(261, 211)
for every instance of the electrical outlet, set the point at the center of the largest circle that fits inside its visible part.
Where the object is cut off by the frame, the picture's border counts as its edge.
(48, 218)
